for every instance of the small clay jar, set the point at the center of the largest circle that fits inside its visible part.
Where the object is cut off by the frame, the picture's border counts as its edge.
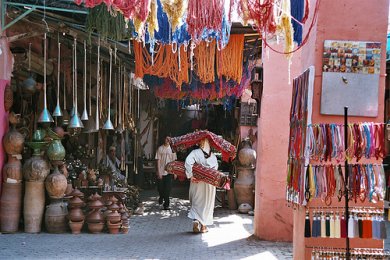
(76, 215)
(95, 216)
(76, 226)
(76, 202)
(95, 228)
(113, 228)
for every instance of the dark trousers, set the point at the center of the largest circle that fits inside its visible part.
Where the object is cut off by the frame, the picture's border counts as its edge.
(164, 187)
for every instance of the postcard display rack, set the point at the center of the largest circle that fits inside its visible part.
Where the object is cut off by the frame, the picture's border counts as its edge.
(335, 182)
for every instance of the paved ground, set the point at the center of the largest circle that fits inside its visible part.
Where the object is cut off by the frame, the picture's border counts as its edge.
(155, 235)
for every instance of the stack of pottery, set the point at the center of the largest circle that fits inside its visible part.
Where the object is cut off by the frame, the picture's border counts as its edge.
(244, 185)
(76, 215)
(56, 184)
(95, 218)
(113, 217)
(35, 171)
(124, 218)
(11, 197)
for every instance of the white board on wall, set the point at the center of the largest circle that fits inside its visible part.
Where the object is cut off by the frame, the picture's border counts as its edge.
(359, 92)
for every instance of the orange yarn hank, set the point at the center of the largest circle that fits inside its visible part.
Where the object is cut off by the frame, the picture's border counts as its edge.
(166, 63)
(229, 60)
(204, 61)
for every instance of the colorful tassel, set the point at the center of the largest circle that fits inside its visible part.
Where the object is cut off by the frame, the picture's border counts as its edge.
(307, 225)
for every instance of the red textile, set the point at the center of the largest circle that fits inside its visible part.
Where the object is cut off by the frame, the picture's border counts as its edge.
(182, 142)
(200, 173)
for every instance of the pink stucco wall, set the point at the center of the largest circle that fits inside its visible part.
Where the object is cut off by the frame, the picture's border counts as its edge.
(351, 20)
(273, 220)
(337, 20)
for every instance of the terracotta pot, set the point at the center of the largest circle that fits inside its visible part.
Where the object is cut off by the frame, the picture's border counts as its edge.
(8, 98)
(36, 169)
(95, 228)
(124, 229)
(246, 155)
(56, 184)
(77, 193)
(113, 228)
(13, 142)
(10, 207)
(76, 202)
(69, 189)
(34, 206)
(95, 216)
(244, 186)
(95, 196)
(95, 204)
(232, 204)
(76, 215)
(12, 169)
(55, 217)
(56, 151)
(76, 226)
(113, 216)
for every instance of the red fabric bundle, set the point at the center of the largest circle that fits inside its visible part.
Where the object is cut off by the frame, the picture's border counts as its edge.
(182, 142)
(200, 173)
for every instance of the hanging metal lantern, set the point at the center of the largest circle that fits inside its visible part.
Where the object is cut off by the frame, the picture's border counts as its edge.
(57, 111)
(45, 116)
(108, 124)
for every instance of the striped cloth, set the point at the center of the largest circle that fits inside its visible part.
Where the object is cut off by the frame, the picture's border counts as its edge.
(185, 141)
(200, 173)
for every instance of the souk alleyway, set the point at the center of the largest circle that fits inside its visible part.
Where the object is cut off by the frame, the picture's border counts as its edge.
(157, 234)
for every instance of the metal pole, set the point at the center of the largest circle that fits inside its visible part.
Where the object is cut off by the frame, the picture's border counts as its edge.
(346, 192)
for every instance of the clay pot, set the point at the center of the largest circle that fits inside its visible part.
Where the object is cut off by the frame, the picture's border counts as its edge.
(10, 207)
(39, 135)
(245, 208)
(34, 206)
(76, 226)
(55, 217)
(95, 196)
(56, 151)
(232, 204)
(36, 169)
(76, 215)
(244, 186)
(13, 142)
(76, 202)
(114, 217)
(12, 169)
(8, 98)
(95, 228)
(69, 189)
(59, 131)
(95, 204)
(77, 193)
(124, 229)
(246, 155)
(95, 216)
(113, 228)
(56, 184)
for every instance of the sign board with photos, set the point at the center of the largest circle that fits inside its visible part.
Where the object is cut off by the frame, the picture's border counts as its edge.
(350, 77)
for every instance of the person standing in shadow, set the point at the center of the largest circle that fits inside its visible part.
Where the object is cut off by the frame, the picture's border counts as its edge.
(164, 155)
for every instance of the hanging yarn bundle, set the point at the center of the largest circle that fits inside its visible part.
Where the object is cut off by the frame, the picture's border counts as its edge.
(165, 65)
(284, 27)
(175, 10)
(205, 61)
(204, 15)
(260, 14)
(152, 20)
(229, 60)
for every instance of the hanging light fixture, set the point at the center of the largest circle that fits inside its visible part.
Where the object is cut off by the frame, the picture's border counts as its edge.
(90, 125)
(57, 111)
(65, 114)
(108, 124)
(84, 116)
(75, 121)
(45, 116)
(29, 83)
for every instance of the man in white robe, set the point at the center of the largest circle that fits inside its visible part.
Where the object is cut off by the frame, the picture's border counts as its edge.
(201, 195)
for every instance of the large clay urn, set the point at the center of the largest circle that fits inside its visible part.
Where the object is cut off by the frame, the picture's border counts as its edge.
(56, 184)
(246, 155)
(34, 206)
(56, 151)
(36, 168)
(13, 142)
(12, 170)
(56, 217)
(10, 207)
(244, 185)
